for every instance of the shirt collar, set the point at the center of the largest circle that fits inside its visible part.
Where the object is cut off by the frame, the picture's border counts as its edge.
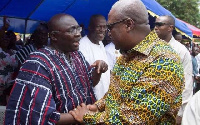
(56, 52)
(146, 45)
(171, 40)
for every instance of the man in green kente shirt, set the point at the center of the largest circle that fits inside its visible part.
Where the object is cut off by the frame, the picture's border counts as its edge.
(147, 80)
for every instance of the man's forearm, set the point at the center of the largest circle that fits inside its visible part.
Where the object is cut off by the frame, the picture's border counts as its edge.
(66, 119)
(96, 78)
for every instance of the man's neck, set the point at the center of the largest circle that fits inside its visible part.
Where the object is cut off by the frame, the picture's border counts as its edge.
(168, 38)
(92, 39)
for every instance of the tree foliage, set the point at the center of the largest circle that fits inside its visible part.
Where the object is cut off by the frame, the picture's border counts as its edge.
(186, 10)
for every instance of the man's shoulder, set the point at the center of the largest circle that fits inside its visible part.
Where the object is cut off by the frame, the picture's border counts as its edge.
(44, 52)
(162, 45)
(110, 47)
(162, 48)
(29, 47)
(197, 56)
(42, 57)
(84, 39)
(84, 43)
(177, 45)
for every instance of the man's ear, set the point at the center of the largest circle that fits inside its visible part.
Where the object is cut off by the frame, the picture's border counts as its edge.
(171, 28)
(53, 36)
(130, 24)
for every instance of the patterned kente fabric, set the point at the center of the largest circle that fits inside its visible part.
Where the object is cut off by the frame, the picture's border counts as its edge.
(49, 84)
(146, 87)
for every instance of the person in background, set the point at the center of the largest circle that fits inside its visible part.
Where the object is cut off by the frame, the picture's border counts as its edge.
(54, 79)
(83, 30)
(194, 53)
(106, 39)
(111, 52)
(191, 114)
(38, 39)
(164, 26)
(147, 80)
(93, 49)
(19, 43)
(5, 26)
(12, 46)
(8, 64)
(178, 37)
(198, 57)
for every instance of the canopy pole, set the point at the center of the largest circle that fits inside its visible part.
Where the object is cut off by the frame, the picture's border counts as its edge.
(25, 29)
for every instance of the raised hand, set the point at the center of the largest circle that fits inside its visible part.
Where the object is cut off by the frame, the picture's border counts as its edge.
(100, 66)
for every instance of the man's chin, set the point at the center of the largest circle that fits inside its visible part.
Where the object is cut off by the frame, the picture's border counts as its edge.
(100, 38)
(76, 49)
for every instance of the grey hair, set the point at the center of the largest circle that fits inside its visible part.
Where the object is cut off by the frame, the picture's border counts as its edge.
(133, 9)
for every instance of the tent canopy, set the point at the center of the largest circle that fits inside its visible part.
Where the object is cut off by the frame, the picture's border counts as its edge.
(24, 15)
(156, 10)
(195, 30)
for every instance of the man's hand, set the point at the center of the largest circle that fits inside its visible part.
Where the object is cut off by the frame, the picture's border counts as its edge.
(93, 107)
(100, 66)
(178, 120)
(79, 112)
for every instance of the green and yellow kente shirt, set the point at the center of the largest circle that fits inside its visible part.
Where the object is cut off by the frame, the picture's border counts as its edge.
(146, 87)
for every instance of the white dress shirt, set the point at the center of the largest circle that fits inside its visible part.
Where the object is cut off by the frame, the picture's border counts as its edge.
(191, 115)
(112, 54)
(93, 52)
(198, 61)
(186, 61)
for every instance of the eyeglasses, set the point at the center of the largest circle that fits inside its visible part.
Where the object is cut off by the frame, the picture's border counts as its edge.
(160, 24)
(111, 25)
(71, 31)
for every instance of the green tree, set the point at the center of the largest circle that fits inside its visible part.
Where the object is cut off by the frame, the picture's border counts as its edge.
(186, 10)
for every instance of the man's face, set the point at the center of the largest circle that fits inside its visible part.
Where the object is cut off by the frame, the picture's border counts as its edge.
(98, 30)
(162, 27)
(178, 38)
(117, 30)
(196, 49)
(18, 37)
(69, 35)
(42, 36)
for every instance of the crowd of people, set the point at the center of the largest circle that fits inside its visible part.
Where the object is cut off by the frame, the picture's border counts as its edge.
(121, 72)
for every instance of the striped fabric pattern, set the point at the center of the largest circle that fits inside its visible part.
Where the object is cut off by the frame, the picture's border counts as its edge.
(48, 85)
(24, 52)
